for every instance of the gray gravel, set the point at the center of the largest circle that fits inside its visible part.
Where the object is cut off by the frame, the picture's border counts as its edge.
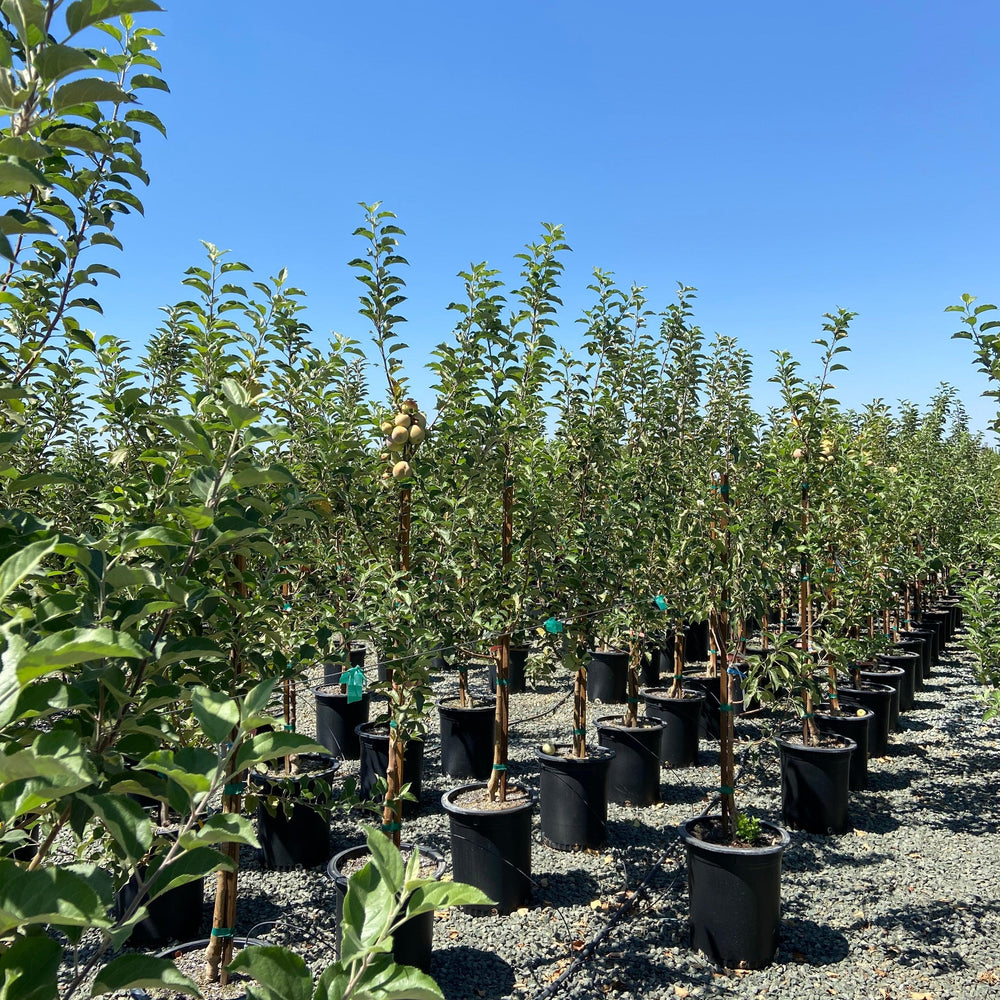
(903, 907)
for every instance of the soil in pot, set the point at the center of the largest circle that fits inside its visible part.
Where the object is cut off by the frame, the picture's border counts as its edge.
(374, 737)
(491, 843)
(297, 833)
(337, 720)
(573, 797)
(413, 941)
(854, 722)
(467, 738)
(680, 718)
(607, 676)
(734, 893)
(634, 776)
(814, 782)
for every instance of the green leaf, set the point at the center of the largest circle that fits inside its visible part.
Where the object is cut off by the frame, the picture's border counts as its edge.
(282, 974)
(135, 972)
(89, 90)
(29, 968)
(83, 13)
(146, 118)
(434, 895)
(217, 713)
(125, 820)
(268, 746)
(382, 980)
(222, 828)
(56, 61)
(77, 645)
(189, 866)
(148, 80)
(22, 564)
(17, 176)
(77, 137)
(257, 698)
(48, 895)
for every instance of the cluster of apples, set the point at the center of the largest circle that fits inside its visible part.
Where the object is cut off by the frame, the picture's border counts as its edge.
(827, 450)
(403, 434)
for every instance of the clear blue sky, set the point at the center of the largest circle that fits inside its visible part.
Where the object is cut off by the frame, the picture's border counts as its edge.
(785, 158)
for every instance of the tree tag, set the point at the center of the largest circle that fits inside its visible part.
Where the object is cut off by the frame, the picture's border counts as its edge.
(354, 678)
(553, 626)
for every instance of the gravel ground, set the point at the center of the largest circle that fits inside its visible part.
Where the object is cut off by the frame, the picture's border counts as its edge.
(903, 907)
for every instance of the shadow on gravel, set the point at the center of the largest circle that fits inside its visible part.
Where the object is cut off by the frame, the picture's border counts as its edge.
(888, 781)
(472, 973)
(807, 942)
(818, 854)
(876, 820)
(565, 888)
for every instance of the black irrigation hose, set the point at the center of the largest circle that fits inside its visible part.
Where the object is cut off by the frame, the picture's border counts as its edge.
(626, 907)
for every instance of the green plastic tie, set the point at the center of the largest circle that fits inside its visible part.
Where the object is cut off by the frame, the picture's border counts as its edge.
(392, 724)
(727, 790)
(553, 626)
(661, 602)
(713, 652)
(503, 681)
(355, 681)
(808, 715)
(499, 767)
(287, 607)
(236, 788)
(677, 677)
(803, 579)
(725, 708)
(724, 489)
(391, 827)
(631, 701)
(805, 486)
(289, 727)
(463, 668)
(579, 732)
(223, 932)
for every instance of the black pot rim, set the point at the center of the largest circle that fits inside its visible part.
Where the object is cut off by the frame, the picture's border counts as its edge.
(891, 672)
(319, 692)
(643, 722)
(451, 807)
(444, 706)
(848, 746)
(826, 712)
(691, 841)
(334, 874)
(332, 766)
(594, 752)
(368, 729)
(687, 696)
(873, 686)
(203, 943)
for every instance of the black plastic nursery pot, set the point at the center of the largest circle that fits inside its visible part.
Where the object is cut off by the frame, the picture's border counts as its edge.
(491, 843)
(332, 669)
(909, 663)
(413, 941)
(877, 698)
(696, 642)
(855, 727)
(937, 643)
(928, 652)
(517, 670)
(708, 725)
(814, 785)
(909, 643)
(300, 836)
(941, 620)
(174, 916)
(634, 776)
(607, 676)
(573, 798)
(892, 677)
(467, 738)
(734, 896)
(680, 718)
(337, 720)
(374, 737)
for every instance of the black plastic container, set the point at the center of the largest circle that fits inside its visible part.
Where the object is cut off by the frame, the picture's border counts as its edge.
(607, 676)
(814, 785)
(920, 644)
(467, 739)
(928, 658)
(893, 677)
(374, 737)
(300, 837)
(491, 847)
(680, 718)
(337, 720)
(634, 776)
(877, 698)
(332, 669)
(174, 916)
(413, 942)
(573, 798)
(696, 642)
(909, 663)
(517, 667)
(854, 727)
(734, 898)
